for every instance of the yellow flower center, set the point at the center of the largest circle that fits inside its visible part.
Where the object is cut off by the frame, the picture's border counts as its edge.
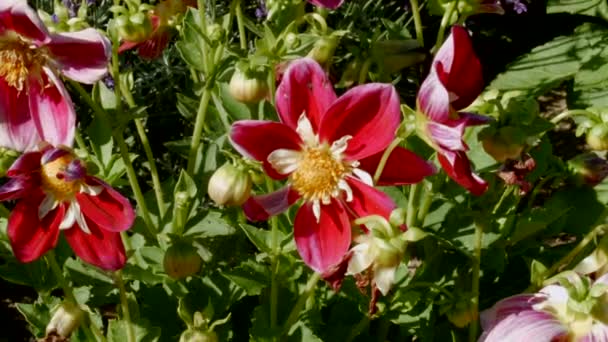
(54, 181)
(318, 174)
(17, 60)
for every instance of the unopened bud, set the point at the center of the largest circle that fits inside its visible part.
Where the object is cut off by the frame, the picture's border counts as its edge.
(65, 320)
(589, 168)
(193, 335)
(597, 137)
(182, 260)
(462, 313)
(215, 32)
(229, 185)
(323, 50)
(248, 88)
(292, 41)
(135, 27)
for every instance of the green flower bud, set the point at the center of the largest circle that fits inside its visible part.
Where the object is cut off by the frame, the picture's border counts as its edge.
(247, 89)
(323, 50)
(462, 313)
(193, 335)
(588, 168)
(65, 320)
(135, 27)
(597, 137)
(292, 41)
(229, 186)
(503, 143)
(182, 260)
(215, 32)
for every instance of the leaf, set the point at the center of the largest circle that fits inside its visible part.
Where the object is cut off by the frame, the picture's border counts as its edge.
(85, 274)
(251, 276)
(586, 7)
(590, 87)
(208, 225)
(259, 237)
(39, 313)
(144, 332)
(189, 46)
(100, 135)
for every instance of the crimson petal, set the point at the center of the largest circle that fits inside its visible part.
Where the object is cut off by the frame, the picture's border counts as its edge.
(368, 200)
(17, 129)
(101, 248)
(15, 188)
(458, 167)
(304, 89)
(25, 164)
(368, 113)
(256, 139)
(322, 244)
(31, 237)
(402, 167)
(331, 4)
(260, 208)
(18, 16)
(109, 209)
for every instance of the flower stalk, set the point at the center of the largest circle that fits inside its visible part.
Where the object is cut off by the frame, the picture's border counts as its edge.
(126, 315)
(473, 326)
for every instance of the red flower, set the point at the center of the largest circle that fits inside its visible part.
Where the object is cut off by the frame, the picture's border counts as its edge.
(55, 193)
(331, 4)
(34, 104)
(454, 82)
(327, 147)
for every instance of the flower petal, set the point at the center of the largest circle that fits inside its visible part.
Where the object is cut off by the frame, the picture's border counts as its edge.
(384, 277)
(322, 243)
(67, 50)
(526, 326)
(402, 167)
(304, 89)
(598, 333)
(256, 139)
(109, 209)
(361, 259)
(458, 167)
(52, 111)
(17, 129)
(15, 188)
(25, 164)
(447, 137)
(331, 4)
(434, 99)
(506, 307)
(368, 200)
(260, 208)
(30, 237)
(368, 113)
(155, 45)
(19, 17)
(101, 248)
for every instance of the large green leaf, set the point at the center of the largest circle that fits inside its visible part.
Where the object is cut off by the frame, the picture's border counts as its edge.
(586, 7)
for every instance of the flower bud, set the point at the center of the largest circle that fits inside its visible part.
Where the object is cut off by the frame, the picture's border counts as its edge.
(462, 313)
(215, 32)
(182, 260)
(323, 50)
(389, 255)
(65, 320)
(502, 143)
(597, 137)
(292, 41)
(135, 27)
(248, 88)
(7, 157)
(229, 185)
(589, 168)
(193, 335)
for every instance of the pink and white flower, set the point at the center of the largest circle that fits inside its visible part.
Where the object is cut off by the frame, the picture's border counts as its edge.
(34, 105)
(55, 194)
(571, 312)
(454, 82)
(327, 147)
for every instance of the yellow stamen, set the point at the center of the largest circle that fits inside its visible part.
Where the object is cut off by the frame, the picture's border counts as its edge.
(53, 181)
(318, 174)
(17, 60)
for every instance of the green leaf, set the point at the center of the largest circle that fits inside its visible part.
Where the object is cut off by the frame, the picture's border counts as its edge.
(144, 332)
(259, 237)
(251, 276)
(85, 274)
(590, 87)
(586, 7)
(100, 135)
(206, 225)
(191, 40)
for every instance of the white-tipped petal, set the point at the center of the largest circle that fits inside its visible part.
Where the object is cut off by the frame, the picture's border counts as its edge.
(384, 278)
(284, 161)
(361, 259)
(343, 185)
(339, 146)
(305, 131)
(316, 210)
(70, 216)
(82, 223)
(93, 190)
(48, 203)
(364, 176)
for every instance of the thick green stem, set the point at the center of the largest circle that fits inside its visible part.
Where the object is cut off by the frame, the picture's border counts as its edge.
(412, 203)
(241, 26)
(445, 20)
(475, 280)
(124, 301)
(295, 312)
(198, 130)
(417, 21)
(384, 158)
(356, 331)
(141, 131)
(131, 175)
(573, 112)
(427, 200)
(274, 286)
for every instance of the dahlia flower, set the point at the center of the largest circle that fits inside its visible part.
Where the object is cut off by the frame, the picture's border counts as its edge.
(55, 194)
(454, 82)
(35, 105)
(327, 147)
(331, 4)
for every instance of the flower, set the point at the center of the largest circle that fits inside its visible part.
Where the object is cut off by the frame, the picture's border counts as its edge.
(35, 105)
(56, 194)
(331, 4)
(327, 147)
(572, 311)
(453, 83)
(162, 19)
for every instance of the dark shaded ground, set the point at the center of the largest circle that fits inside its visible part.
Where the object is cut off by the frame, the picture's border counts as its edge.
(13, 327)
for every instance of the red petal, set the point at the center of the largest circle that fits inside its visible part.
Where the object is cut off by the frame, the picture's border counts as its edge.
(458, 167)
(17, 16)
(110, 210)
(153, 47)
(260, 208)
(26, 163)
(402, 167)
(434, 99)
(304, 89)
(369, 201)
(15, 188)
(257, 139)
(17, 129)
(127, 45)
(67, 51)
(52, 110)
(101, 248)
(31, 238)
(331, 4)
(322, 244)
(369, 113)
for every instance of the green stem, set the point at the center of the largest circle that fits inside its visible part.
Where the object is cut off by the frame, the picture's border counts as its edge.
(80, 142)
(241, 26)
(356, 331)
(384, 158)
(198, 130)
(417, 21)
(141, 131)
(364, 70)
(427, 200)
(131, 175)
(574, 112)
(4, 212)
(475, 280)
(295, 312)
(412, 201)
(126, 315)
(445, 20)
(274, 286)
